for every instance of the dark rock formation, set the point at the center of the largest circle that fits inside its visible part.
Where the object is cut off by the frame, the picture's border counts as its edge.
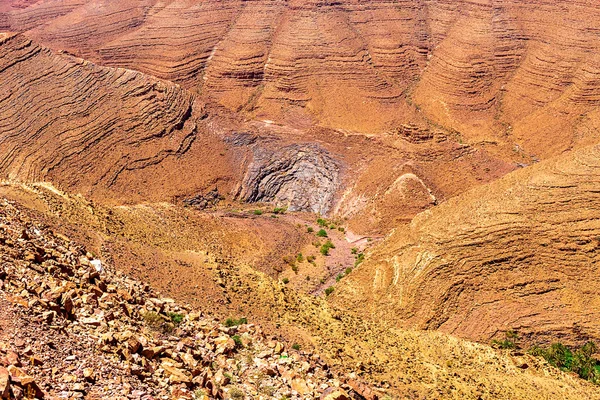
(303, 177)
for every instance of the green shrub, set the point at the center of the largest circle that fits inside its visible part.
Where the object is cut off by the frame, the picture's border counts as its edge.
(279, 210)
(339, 277)
(322, 233)
(310, 229)
(326, 247)
(286, 281)
(296, 346)
(341, 229)
(237, 339)
(295, 268)
(329, 290)
(332, 227)
(579, 361)
(176, 318)
(311, 259)
(322, 222)
(354, 250)
(299, 257)
(359, 259)
(348, 270)
(322, 280)
(229, 322)
(509, 341)
(257, 212)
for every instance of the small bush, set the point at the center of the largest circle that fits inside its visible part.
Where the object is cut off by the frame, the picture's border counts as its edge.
(285, 281)
(296, 346)
(359, 259)
(326, 247)
(176, 318)
(339, 277)
(257, 212)
(332, 227)
(310, 229)
(329, 290)
(289, 260)
(295, 268)
(341, 229)
(579, 360)
(237, 339)
(311, 259)
(509, 342)
(322, 233)
(236, 394)
(354, 250)
(348, 270)
(322, 222)
(322, 280)
(299, 257)
(229, 322)
(279, 210)
(153, 319)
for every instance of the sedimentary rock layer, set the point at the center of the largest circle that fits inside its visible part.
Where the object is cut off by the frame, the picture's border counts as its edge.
(86, 127)
(501, 70)
(520, 253)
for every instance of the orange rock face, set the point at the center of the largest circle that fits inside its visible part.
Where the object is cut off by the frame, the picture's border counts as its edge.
(502, 71)
(520, 253)
(92, 129)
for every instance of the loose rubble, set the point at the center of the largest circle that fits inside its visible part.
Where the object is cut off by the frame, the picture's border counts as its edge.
(79, 329)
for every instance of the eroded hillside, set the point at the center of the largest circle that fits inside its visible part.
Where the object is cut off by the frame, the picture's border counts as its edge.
(520, 253)
(500, 71)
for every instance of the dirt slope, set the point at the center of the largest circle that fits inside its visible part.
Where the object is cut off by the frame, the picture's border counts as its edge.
(520, 253)
(401, 363)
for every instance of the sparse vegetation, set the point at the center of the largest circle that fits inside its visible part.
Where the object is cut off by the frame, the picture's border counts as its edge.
(176, 318)
(296, 346)
(310, 229)
(359, 259)
(509, 341)
(579, 361)
(157, 322)
(322, 233)
(311, 259)
(322, 222)
(229, 322)
(341, 229)
(329, 290)
(295, 268)
(354, 250)
(326, 247)
(285, 281)
(236, 394)
(339, 277)
(279, 210)
(257, 212)
(299, 257)
(348, 270)
(237, 339)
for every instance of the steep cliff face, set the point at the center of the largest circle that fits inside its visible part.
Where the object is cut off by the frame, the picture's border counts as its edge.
(94, 129)
(298, 177)
(490, 70)
(520, 253)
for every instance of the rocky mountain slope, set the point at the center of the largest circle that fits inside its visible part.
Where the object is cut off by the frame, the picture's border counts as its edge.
(520, 253)
(367, 358)
(491, 70)
(72, 327)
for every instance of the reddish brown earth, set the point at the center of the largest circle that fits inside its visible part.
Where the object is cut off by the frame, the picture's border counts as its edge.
(501, 71)
(453, 141)
(520, 253)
